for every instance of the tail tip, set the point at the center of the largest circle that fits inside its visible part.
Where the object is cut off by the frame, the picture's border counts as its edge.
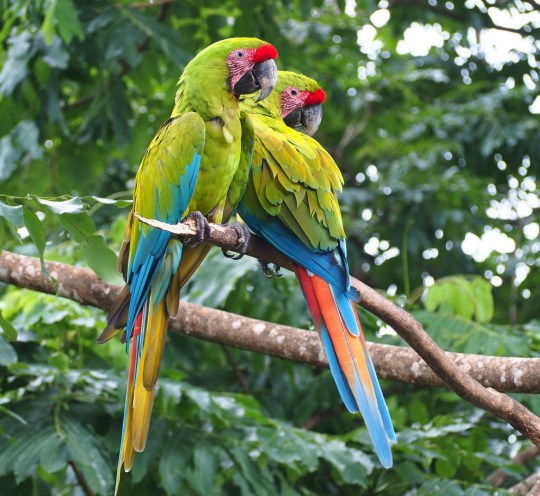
(386, 459)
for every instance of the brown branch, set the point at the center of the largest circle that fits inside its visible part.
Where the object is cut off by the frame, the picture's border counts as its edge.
(498, 477)
(395, 363)
(403, 323)
(530, 486)
(392, 362)
(80, 479)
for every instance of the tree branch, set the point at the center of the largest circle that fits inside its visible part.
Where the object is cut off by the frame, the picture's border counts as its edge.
(402, 322)
(498, 477)
(392, 362)
(530, 486)
(80, 479)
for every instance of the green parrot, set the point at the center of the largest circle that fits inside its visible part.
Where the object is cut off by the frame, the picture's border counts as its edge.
(291, 201)
(187, 169)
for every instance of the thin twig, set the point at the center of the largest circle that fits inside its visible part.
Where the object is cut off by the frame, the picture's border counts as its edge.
(81, 479)
(236, 370)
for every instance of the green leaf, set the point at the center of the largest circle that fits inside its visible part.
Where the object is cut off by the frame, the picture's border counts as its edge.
(249, 470)
(418, 411)
(8, 330)
(447, 466)
(53, 456)
(13, 415)
(8, 355)
(61, 16)
(71, 206)
(434, 297)
(461, 298)
(29, 454)
(215, 281)
(409, 471)
(172, 465)
(101, 259)
(14, 215)
(79, 226)
(37, 233)
(19, 147)
(14, 68)
(204, 468)
(68, 21)
(484, 306)
(84, 451)
(48, 30)
(59, 360)
(57, 56)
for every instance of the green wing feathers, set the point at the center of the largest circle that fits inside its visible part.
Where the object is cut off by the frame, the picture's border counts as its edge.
(158, 188)
(296, 179)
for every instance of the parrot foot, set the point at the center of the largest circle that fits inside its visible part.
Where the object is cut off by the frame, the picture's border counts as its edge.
(243, 239)
(203, 228)
(270, 271)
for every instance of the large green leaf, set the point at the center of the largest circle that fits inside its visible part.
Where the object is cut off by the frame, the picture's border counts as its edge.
(8, 355)
(8, 330)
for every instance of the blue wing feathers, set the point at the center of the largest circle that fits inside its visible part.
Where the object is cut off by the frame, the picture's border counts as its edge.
(149, 259)
(325, 264)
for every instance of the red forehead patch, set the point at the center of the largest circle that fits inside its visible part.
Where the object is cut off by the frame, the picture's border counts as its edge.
(265, 52)
(316, 97)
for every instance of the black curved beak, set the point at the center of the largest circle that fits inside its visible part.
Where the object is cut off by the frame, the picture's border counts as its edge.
(306, 119)
(262, 77)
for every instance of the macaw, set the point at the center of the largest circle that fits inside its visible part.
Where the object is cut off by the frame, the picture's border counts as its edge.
(290, 201)
(187, 169)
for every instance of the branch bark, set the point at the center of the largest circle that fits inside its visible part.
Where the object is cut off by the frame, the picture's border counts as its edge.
(498, 477)
(530, 486)
(402, 322)
(392, 362)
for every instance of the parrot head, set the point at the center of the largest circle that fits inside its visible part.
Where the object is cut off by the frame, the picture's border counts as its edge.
(246, 65)
(252, 68)
(301, 102)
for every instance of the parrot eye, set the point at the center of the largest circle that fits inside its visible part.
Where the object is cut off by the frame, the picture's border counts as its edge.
(294, 92)
(240, 54)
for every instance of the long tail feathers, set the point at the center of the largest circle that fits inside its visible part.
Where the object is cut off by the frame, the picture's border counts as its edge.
(351, 366)
(147, 343)
(383, 409)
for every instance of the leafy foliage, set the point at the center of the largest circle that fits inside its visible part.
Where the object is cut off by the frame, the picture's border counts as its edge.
(437, 142)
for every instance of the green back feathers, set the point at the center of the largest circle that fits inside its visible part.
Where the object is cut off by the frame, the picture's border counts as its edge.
(293, 177)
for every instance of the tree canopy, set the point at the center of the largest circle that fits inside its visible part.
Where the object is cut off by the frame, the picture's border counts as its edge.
(431, 114)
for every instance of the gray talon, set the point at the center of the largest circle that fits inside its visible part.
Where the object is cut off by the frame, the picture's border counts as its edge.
(243, 238)
(269, 271)
(203, 228)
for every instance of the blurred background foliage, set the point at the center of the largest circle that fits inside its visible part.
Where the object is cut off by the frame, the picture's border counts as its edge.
(432, 115)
